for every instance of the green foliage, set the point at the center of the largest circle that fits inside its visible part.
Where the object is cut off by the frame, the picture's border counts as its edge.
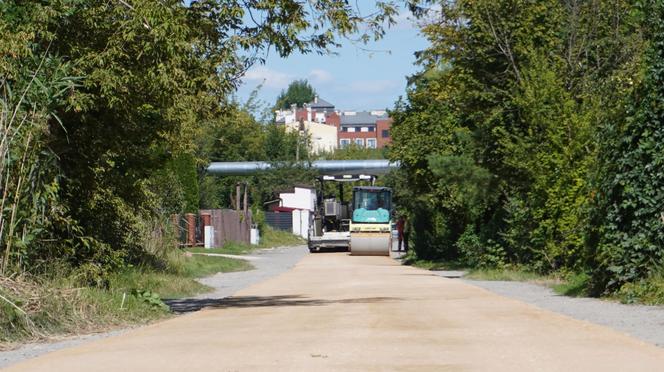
(298, 92)
(515, 145)
(478, 254)
(466, 184)
(573, 284)
(353, 152)
(184, 169)
(150, 298)
(648, 291)
(628, 236)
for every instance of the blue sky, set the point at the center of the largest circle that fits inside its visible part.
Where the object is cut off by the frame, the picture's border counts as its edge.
(353, 79)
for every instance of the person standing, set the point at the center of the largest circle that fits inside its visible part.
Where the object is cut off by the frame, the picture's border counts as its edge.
(401, 225)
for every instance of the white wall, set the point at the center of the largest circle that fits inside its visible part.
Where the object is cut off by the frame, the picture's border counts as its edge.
(301, 223)
(322, 137)
(302, 198)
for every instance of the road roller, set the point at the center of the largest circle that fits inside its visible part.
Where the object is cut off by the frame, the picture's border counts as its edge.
(371, 222)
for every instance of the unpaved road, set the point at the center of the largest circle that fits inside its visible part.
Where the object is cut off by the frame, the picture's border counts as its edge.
(337, 312)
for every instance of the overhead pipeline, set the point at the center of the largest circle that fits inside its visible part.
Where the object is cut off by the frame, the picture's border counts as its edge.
(324, 167)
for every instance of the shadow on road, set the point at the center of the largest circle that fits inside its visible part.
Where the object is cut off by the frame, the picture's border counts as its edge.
(331, 250)
(193, 304)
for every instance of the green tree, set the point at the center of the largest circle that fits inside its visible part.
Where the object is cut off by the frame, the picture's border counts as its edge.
(298, 92)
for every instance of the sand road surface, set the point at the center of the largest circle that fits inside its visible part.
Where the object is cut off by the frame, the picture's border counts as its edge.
(347, 313)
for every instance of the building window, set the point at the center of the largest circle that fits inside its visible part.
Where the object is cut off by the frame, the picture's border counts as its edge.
(372, 129)
(344, 142)
(359, 141)
(351, 129)
(371, 143)
(364, 129)
(386, 133)
(344, 129)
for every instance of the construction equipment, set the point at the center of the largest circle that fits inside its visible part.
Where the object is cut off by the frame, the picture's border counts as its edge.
(330, 227)
(371, 222)
(363, 226)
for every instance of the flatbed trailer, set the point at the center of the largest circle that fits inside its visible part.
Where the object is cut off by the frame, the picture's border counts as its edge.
(330, 240)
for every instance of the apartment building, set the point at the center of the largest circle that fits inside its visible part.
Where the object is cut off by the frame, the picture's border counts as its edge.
(369, 129)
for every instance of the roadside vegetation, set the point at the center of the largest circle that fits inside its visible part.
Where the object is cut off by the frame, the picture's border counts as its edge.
(532, 138)
(49, 306)
(109, 114)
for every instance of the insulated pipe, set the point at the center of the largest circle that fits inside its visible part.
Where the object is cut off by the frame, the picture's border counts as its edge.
(324, 167)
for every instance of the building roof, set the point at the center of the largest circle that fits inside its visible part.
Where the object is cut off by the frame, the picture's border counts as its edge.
(319, 103)
(360, 118)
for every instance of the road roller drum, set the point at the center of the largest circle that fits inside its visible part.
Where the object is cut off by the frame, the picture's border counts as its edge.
(370, 243)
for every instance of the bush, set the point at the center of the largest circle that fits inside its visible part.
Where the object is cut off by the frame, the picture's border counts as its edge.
(478, 254)
(648, 291)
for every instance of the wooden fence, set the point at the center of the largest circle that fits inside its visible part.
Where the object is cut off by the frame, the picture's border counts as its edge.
(229, 225)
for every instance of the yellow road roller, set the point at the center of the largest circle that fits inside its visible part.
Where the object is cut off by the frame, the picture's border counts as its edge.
(371, 222)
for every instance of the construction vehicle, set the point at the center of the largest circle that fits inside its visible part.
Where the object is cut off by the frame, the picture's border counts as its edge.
(330, 226)
(362, 226)
(371, 222)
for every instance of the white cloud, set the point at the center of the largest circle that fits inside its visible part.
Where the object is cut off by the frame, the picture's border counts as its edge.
(272, 78)
(320, 76)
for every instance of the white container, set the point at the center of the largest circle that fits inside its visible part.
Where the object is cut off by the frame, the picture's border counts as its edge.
(254, 236)
(208, 237)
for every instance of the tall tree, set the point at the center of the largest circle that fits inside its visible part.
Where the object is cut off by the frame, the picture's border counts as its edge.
(298, 92)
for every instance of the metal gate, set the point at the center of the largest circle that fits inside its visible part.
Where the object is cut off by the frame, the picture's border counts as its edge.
(280, 220)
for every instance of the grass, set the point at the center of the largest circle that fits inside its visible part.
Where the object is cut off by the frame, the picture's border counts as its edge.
(573, 285)
(201, 266)
(228, 248)
(436, 265)
(510, 274)
(46, 308)
(278, 238)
